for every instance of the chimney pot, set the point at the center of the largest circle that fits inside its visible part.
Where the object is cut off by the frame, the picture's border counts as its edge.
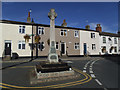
(99, 28)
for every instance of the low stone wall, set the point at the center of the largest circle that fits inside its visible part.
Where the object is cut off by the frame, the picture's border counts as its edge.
(54, 74)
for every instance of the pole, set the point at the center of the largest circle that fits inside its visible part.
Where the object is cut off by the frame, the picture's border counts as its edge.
(32, 44)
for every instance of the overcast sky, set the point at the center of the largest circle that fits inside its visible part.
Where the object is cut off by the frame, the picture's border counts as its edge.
(77, 14)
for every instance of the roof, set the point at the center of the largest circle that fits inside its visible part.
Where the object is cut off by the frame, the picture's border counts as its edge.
(36, 24)
(109, 34)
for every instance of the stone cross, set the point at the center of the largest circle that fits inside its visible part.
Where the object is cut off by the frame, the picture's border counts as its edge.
(52, 56)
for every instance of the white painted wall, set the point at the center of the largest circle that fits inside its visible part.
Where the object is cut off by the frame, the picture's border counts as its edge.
(108, 44)
(119, 45)
(11, 32)
(85, 37)
(0, 40)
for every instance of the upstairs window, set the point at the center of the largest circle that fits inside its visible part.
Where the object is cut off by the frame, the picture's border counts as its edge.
(93, 46)
(92, 35)
(21, 45)
(76, 46)
(115, 40)
(63, 32)
(104, 39)
(41, 31)
(41, 46)
(57, 46)
(76, 34)
(22, 29)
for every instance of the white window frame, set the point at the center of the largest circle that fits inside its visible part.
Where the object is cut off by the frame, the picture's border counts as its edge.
(43, 45)
(92, 35)
(93, 46)
(21, 43)
(56, 45)
(76, 33)
(21, 28)
(76, 45)
(64, 31)
(41, 29)
(104, 38)
(115, 40)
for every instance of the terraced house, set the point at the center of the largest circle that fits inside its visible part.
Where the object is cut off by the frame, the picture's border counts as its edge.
(69, 41)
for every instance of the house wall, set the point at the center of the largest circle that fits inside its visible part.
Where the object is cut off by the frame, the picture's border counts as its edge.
(119, 45)
(85, 37)
(1, 47)
(69, 41)
(11, 32)
(108, 45)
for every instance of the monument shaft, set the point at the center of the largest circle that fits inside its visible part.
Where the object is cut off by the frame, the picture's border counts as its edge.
(52, 56)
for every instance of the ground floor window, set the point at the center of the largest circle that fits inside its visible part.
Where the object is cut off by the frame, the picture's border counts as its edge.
(41, 46)
(103, 49)
(76, 46)
(57, 46)
(21, 45)
(93, 46)
(115, 49)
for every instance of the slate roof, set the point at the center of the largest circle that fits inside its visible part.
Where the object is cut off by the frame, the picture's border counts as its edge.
(36, 24)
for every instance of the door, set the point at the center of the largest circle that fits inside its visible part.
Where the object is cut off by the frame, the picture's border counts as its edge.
(7, 48)
(85, 48)
(62, 48)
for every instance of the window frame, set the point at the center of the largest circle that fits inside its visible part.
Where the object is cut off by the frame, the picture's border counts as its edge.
(41, 30)
(22, 29)
(63, 31)
(76, 46)
(104, 38)
(21, 43)
(75, 33)
(94, 48)
(92, 35)
(57, 44)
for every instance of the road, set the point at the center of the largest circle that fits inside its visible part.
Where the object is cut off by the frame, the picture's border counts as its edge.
(101, 73)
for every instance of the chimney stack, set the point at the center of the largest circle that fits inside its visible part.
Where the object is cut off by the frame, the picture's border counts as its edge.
(28, 18)
(99, 28)
(64, 24)
(87, 27)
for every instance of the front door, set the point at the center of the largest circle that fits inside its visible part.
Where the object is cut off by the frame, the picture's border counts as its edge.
(62, 48)
(7, 48)
(85, 48)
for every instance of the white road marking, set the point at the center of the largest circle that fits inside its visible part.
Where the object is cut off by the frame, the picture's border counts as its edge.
(98, 81)
(87, 64)
(91, 71)
(92, 75)
(84, 70)
(105, 89)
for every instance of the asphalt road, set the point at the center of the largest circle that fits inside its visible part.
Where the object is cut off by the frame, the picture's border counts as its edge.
(104, 73)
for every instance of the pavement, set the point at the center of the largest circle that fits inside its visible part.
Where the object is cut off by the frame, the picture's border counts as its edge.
(97, 73)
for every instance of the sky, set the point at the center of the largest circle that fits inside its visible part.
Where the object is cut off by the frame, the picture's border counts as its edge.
(77, 14)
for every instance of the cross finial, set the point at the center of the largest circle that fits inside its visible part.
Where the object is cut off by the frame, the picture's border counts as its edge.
(52, 14)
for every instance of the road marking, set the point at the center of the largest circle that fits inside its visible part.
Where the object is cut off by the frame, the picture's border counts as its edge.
(92, 75)
(85, 80)
(105, 89)
(91, 71)
(98, 81)
(84, 70)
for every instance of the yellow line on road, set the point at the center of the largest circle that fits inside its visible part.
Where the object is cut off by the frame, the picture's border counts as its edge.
(86, 79)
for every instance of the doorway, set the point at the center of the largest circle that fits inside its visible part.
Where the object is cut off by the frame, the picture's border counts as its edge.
(8, 48)
(63, 48)
(85, 48)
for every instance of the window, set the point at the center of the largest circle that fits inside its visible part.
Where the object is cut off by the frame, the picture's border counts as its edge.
(41, 31)
(57, 47)
(21, 29)
(119, 49)
(93, 46)
(104, 39)
(63, 32)
(76, 46)
(41, 46)
(92, 35)
(103, 49)
(115, 40)
(115, 49)
(21, 45)
(76, 33)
